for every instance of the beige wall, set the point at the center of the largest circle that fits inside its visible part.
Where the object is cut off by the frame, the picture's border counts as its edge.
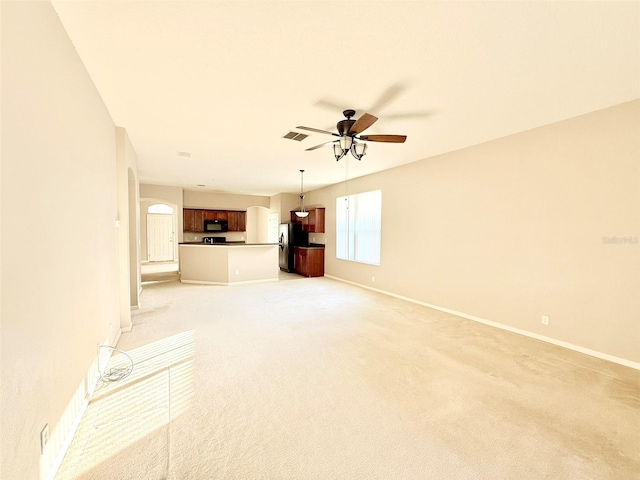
(513, 229)
(170, 195)
(257, 225)
(283, 203)
(60, 283)
(128, 219)
(222, 201)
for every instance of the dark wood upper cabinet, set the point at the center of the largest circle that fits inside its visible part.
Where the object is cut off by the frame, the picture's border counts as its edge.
(312, 223)
(216, 215)
(187, 220)
(198, 219)
(294, 218)
(237, 221)
(193, 219)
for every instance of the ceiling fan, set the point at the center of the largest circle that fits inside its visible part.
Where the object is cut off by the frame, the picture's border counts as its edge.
(349, 133)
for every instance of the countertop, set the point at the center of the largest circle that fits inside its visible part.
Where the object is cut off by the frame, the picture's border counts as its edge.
(310, 246)
(228, 244)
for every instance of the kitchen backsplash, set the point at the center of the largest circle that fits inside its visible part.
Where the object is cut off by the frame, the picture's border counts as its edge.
(318, 238)
(230, 236)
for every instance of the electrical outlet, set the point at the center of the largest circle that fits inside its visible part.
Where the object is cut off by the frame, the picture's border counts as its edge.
(545, 319)
(44, 438)
(373, 279)
(237, 272)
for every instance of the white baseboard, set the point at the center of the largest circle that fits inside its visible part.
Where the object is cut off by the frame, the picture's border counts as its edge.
(62, 434)
(560, 343)
(229, 284)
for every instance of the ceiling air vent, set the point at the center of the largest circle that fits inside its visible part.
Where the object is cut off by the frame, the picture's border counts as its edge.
(295, 136)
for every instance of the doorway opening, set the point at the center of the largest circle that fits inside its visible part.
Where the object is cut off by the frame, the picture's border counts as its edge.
(160, 233)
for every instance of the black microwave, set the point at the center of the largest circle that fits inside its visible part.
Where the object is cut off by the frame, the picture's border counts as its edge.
(215, 226)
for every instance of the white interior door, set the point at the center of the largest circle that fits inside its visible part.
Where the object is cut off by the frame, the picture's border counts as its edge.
(274, 225)
(159, 237)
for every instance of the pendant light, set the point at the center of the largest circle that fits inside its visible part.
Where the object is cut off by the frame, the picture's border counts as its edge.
(301, 213)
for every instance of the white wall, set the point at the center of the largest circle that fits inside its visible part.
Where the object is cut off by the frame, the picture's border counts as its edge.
(513, 229)
(60, 281)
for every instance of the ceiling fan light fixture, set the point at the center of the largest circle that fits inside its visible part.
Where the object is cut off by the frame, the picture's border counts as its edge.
(358, 150)
(349, 131)
(338, 151)
(345, 142)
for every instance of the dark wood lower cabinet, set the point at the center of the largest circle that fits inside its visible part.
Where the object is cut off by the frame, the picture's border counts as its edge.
(309, 261)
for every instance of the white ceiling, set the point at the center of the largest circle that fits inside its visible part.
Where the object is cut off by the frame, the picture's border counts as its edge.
(225, 81)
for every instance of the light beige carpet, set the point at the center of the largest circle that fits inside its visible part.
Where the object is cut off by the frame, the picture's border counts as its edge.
(317, 379)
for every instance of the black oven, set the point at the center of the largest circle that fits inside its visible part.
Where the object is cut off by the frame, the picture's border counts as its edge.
(215, 226)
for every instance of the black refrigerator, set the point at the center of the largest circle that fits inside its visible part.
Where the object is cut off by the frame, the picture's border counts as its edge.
(291, 235)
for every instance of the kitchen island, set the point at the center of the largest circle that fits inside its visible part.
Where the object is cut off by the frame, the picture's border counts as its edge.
(228, 263)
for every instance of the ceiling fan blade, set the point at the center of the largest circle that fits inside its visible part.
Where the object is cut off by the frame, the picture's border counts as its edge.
(330, 105)
(384, 138)
(364, 122)
(388, 96)
(409, 115)
(317, 130)
(319, 146)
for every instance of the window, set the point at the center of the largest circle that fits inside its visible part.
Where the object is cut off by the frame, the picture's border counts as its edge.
(358, 222)
(160, 208)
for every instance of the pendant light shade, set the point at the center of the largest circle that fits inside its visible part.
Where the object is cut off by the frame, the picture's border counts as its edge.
(301, 213)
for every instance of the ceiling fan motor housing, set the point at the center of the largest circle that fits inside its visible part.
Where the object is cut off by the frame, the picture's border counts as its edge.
(344, 126)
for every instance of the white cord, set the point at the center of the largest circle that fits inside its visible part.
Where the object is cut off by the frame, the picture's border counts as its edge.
(117, 373)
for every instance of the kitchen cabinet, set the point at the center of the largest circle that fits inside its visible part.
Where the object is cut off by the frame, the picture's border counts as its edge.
(187, 220)
(216, 215)
(193, 219)
(309, 261)
(237, 221)
(312, 223)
